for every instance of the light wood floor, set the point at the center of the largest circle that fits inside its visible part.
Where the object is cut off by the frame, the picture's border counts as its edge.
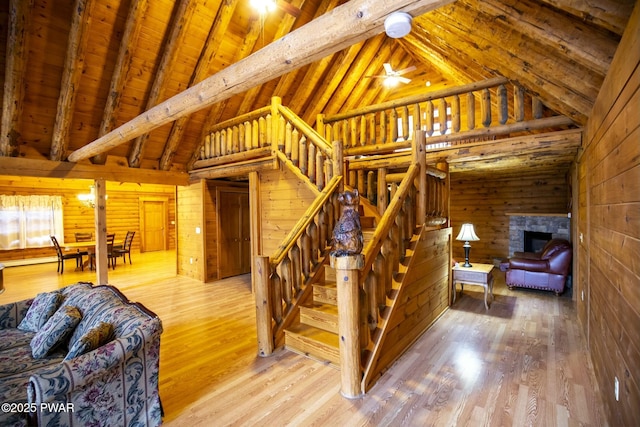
(521, 363)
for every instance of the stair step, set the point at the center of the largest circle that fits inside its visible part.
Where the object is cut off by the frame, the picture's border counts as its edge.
(321, 316)
(325, 293)
(367, 222)
(313, 342)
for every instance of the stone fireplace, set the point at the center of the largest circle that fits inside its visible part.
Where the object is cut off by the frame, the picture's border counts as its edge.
(539, 226)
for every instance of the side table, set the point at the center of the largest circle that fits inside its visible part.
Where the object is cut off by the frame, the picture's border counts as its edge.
(478, 274)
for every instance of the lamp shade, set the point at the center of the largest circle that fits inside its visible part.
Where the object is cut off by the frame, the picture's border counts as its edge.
(467, 233)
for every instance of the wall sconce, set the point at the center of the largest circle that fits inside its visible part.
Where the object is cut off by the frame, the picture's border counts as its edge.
(467, 234)
(89, 199)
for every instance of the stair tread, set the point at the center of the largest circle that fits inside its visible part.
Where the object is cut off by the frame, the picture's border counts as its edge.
(314, 343)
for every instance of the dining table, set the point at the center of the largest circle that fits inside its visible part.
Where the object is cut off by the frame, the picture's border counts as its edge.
(89, 246)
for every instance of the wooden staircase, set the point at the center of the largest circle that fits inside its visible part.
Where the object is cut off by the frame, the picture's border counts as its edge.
(315, 334)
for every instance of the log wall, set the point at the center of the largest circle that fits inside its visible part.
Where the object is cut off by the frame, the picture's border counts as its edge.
(609, 267)
(190, 252)
(283, 201)
(123, 212)
(485, 199)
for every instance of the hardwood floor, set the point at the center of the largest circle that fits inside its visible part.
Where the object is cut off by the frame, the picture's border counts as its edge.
(521, 363)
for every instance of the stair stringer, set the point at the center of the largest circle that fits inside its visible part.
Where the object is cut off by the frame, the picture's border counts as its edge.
(435, 245)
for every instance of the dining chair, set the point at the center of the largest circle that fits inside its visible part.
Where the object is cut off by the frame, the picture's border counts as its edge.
(84, 237)
(126, 247)
(111, 259)
(62, 256)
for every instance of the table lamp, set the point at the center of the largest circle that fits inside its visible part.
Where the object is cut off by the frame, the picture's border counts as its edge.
(468, 234)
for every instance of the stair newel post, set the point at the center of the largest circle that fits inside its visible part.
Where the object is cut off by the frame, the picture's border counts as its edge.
(274, 131)
(263, 306)
(347, 272)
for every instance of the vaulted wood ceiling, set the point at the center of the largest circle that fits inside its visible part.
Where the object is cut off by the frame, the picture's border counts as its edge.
(73, 72)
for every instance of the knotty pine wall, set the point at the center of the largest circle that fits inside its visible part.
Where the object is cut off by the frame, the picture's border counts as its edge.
(423, 299)
(283, 200)
(484, 199)
(609, 252)
(190, 253)
(123, 212)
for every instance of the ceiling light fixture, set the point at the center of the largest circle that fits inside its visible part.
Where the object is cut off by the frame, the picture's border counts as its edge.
(398, 24)
(263, 6)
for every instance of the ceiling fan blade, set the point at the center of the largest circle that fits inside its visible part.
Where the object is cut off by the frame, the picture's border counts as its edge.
(403, 79)
(405, 70)
(387, 68)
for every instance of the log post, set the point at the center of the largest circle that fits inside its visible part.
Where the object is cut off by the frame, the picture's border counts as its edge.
(263, 307)
(347, 270)
(100, 215)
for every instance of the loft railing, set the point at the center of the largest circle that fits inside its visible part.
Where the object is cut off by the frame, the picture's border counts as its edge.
(272, 130)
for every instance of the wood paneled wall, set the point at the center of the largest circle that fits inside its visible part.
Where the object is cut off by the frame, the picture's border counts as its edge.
(123, 213)
(485, 199)
(609, 180)
(424, 297)
(283, 201)
(190, 251)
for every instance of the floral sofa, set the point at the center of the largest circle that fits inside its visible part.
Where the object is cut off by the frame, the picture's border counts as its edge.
(83, 355)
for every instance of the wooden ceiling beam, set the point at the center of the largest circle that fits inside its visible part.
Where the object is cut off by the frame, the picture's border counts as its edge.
(181, 20)
(563, 85)
(344, 26)
(287, 81)
(209, 51)
(576, 40)
(355, 74)
(121, 71)
(611, 15)
(52, 169)
(71, 74)
(15, 68)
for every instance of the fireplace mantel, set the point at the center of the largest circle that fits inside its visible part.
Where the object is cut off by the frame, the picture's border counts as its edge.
(562, 215)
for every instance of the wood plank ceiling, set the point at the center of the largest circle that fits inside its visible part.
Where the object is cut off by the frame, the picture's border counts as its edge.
(73, 72)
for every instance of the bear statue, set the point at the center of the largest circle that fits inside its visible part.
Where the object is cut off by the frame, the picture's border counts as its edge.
(347, 233)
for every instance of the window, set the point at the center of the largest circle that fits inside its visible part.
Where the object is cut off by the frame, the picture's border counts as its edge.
(28, 221)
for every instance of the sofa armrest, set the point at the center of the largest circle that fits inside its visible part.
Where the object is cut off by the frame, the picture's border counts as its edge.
(12, 314)
(93, 384)
(528, 264)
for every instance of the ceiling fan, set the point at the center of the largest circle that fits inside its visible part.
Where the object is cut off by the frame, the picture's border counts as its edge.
(392, 77)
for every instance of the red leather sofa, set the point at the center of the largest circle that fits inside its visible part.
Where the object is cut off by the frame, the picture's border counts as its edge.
(546, 270)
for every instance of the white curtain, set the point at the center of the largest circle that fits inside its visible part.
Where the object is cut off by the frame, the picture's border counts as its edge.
(29, 221)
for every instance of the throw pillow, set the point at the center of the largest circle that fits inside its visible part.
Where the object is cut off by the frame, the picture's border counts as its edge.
(58, 328)
(41, 309)
(92, 339)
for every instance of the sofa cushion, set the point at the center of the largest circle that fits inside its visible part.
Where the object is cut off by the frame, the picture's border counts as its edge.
(56, 331)
(16, 360)
(13, 337)
(42, 308)
(92, 339)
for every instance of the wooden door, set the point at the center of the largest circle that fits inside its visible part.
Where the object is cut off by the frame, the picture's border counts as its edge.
(153, 225)
(234, 232)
